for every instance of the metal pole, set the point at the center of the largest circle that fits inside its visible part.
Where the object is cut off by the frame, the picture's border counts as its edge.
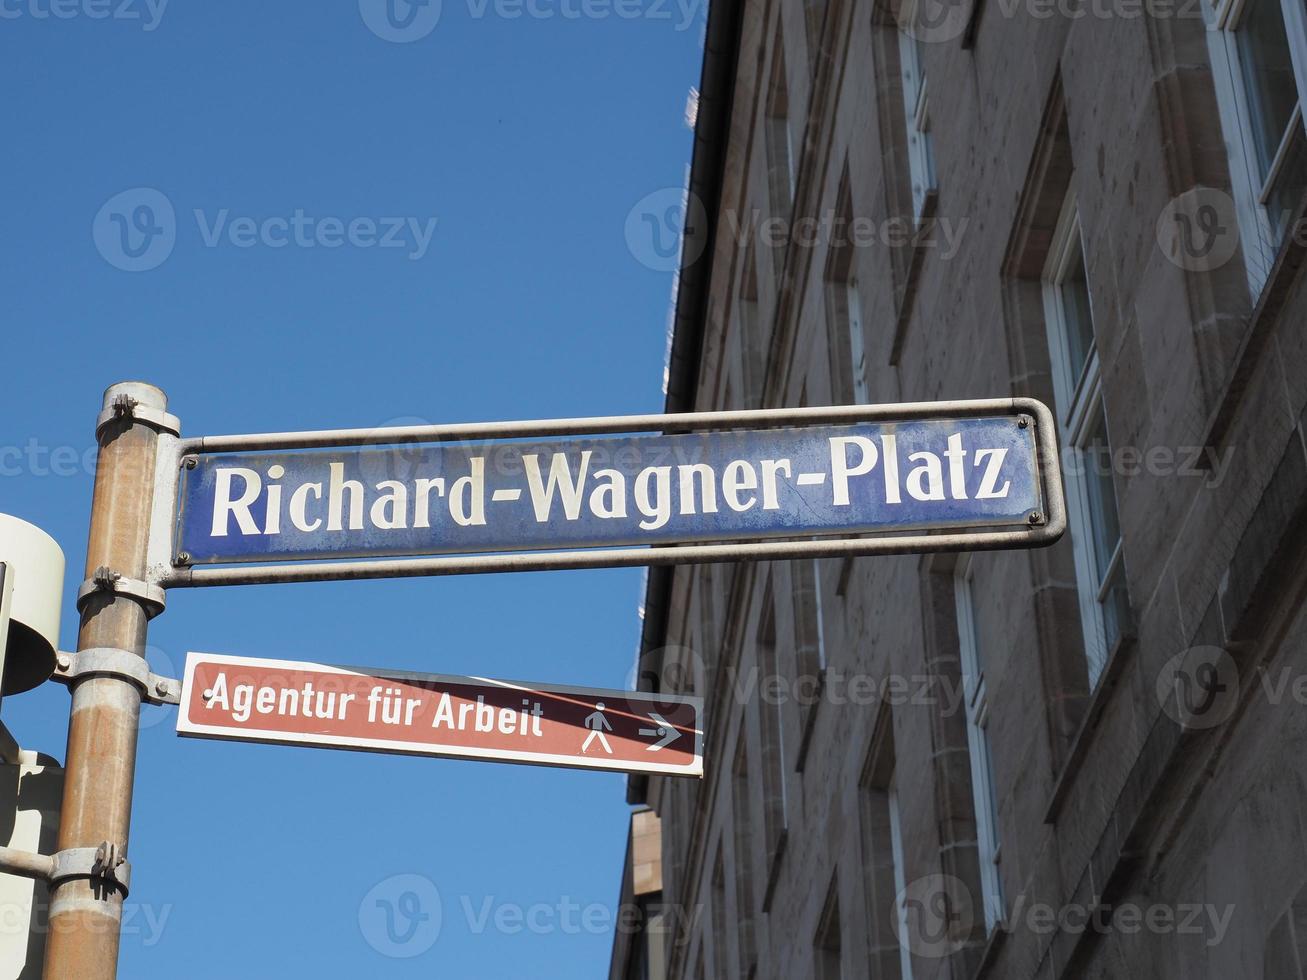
(86, 913)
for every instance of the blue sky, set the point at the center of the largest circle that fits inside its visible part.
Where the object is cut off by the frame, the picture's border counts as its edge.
(528, 134)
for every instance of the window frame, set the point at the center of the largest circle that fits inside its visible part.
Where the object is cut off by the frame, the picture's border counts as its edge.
(780, 155)
(849, 358)
(1224, 19)
(1079, 401)
(828, 942)
(916, 113)
(855, 340)
(773, 756)
(989, 846)
(742, 841)
(900, 875)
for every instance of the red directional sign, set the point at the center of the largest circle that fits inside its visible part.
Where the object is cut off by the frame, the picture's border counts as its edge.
(297, 703)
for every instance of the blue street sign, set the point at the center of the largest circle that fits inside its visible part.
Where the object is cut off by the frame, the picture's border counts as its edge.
(923, 475)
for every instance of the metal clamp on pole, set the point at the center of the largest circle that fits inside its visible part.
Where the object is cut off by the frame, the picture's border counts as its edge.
(109, 662)
(106, 579)
(103, 863)
(124, 406)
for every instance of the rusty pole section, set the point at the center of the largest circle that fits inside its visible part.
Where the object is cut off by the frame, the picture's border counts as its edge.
(86, 913)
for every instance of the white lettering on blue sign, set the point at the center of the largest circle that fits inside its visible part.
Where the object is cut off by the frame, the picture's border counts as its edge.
(730, 486)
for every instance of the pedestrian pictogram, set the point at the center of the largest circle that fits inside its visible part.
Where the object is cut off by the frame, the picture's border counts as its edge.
(598, 724)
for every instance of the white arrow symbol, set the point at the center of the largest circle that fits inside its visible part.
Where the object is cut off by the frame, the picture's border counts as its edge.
(665, 731)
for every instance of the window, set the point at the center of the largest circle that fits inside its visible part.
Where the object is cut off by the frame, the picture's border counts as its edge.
(709, 652)
(916, 107)
(1091, 494)
(775, 803)
(1285, 951)
(845, 322)
(814, 16)
(826, 945)
(742, 821)
(900, 878)
(976, 698)
(884, 876)
(780, 139)
(720, 968)
(809, 647)
(1259, 62)
(847, 344)
(755, 341)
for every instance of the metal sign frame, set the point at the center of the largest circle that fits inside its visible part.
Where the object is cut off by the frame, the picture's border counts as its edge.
(1046, 528)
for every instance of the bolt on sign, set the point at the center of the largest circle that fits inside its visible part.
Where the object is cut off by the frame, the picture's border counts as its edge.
(518, 496)
(281, 701)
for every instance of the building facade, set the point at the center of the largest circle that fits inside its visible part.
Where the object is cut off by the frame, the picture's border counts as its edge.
(1085, 761)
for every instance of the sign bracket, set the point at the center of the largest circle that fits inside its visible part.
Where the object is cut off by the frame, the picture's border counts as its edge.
(123, 664)
(128, 407)
(103, 863)
(105, 579)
